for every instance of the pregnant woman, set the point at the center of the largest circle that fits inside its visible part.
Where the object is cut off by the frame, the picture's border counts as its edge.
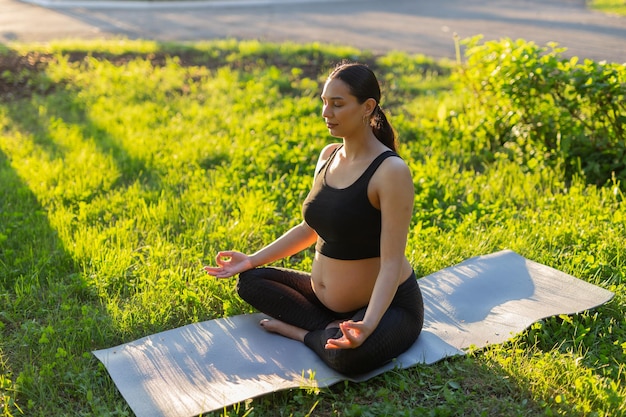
(360, 306)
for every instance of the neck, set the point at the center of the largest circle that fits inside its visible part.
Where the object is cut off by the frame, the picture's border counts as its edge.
(356, 148)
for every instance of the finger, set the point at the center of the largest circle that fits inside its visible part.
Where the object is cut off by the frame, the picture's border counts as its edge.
(222, 275)
(337, 344)
(214, 271)
(349, 331)
(219, 258)
(218, 271)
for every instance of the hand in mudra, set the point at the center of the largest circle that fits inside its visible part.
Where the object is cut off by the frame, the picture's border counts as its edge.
(229, 263)
(354, 334)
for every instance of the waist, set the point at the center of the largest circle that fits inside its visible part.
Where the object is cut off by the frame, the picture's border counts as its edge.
(346, 285)
(333, 268)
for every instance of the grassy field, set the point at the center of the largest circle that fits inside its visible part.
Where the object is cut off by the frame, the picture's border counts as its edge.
(124, 167)
(609, 6)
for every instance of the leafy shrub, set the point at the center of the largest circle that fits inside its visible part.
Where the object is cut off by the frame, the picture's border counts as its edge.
(541, 109)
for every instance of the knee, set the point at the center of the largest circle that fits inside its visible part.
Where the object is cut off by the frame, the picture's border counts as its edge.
(350, 362)
(344, 361)
(246, 283)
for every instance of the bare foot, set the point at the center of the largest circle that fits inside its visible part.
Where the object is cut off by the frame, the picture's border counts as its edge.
(283, 329)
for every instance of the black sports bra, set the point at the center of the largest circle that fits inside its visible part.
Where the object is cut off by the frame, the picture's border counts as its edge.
(347, 225)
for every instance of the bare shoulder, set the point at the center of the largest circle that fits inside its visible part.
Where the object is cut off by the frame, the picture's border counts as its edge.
(328, 150)
(325, 154)
(392, 188)
(394, 168)
(393, 175)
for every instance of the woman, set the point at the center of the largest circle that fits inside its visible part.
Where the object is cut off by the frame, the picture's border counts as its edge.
(360, 306)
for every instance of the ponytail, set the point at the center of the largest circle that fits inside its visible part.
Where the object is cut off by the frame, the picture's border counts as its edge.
(382, 128)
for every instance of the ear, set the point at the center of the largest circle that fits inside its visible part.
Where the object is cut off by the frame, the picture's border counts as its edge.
(369, 105)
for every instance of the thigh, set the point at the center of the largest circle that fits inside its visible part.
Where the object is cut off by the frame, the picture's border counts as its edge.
(400, 325)
(396, 332)
(286, 295)
(299, 281)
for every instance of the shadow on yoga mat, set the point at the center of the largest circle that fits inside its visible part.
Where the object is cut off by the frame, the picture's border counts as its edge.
(206, 366)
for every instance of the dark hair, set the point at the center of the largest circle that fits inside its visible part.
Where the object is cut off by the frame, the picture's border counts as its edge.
(364, 85)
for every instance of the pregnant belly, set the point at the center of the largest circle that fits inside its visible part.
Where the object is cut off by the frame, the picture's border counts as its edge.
(344, 285)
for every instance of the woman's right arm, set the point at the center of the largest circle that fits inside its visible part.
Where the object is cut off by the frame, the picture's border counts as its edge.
(293, 241)
(296, 239)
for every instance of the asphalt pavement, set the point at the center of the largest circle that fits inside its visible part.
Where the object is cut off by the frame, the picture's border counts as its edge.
(415, 26)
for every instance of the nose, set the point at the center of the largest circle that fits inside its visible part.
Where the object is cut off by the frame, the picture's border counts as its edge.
(326, 113)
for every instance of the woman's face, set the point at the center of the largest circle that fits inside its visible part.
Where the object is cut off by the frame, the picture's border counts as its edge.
(341, 110)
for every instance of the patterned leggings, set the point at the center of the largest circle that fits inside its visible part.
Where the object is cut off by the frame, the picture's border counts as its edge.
(287, 295)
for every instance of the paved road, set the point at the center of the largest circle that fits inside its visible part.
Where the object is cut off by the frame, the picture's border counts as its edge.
(415, 26)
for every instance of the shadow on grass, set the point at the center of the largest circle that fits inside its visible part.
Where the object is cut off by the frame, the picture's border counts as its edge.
(37, 102)
(50, 316)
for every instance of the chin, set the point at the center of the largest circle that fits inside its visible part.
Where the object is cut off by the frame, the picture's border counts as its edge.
(334, 134)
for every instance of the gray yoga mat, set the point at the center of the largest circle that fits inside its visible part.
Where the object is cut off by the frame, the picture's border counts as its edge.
(206, 366)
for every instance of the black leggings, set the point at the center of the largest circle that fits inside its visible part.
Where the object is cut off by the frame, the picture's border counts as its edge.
(287, 295)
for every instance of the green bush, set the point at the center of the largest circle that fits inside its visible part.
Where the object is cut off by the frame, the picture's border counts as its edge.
(536, 107)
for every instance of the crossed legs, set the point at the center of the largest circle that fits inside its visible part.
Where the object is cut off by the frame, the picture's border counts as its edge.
(287, 296)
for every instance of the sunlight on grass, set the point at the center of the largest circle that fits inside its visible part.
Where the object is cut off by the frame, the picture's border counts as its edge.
(125, 166)
(609, 6)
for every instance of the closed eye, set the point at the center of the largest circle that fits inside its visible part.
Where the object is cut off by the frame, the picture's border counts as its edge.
(335, 101)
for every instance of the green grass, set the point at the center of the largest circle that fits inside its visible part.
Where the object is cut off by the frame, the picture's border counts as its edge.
(124, 167)
(609, 6)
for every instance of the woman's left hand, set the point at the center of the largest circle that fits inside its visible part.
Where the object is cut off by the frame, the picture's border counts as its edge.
(354, 334)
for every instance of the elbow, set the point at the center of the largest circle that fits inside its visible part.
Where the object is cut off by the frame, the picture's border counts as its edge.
(309, 234)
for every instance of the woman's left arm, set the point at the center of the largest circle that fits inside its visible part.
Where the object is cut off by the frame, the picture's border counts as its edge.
(394, 187)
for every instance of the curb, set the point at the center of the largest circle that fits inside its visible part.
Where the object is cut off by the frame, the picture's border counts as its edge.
(167, 4)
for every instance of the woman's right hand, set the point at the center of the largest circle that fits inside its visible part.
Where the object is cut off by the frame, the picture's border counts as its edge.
(229, 263)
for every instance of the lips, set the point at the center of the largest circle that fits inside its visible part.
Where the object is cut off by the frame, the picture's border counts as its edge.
(331, 125)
